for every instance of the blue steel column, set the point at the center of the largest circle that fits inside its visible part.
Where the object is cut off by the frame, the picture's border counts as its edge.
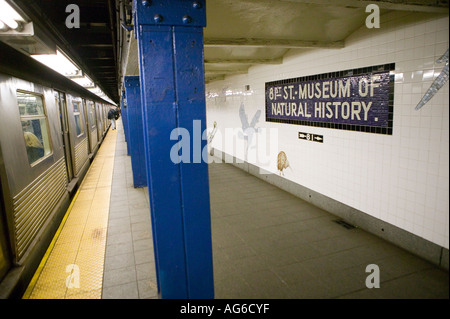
(170, 37)
(124, 114)
(135, 130)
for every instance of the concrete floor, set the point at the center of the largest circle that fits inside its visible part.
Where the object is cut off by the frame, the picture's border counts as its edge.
(266, 244)
(130, 271)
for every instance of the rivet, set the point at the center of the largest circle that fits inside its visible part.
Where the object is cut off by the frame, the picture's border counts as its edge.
(158, 18)
(187, 19)
(196, 5)
(146, 3)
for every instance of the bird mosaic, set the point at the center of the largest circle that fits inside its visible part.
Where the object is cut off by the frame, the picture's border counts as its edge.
(438, 82)
(248, 130)
(210, 136)
(282, 162)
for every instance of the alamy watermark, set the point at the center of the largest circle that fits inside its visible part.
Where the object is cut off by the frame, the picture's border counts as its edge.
(73, 280)
(252, 145)
(373, 280)
(373, 19)
(73, 19)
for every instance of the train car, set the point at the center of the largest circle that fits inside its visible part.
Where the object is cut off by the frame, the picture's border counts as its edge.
(35, 178)
(49, 131)
(78, 135)
(100, 121)
(91, 126)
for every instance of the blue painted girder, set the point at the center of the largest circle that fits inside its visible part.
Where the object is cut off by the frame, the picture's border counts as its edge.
(173, 96)
(124, 114)
(135, 129)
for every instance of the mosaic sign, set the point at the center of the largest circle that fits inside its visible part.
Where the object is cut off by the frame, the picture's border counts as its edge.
(358, 100)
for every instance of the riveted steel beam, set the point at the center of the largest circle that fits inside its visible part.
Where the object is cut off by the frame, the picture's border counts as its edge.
(273, 43)
(428, 6)
(135, 129)
(170, 40)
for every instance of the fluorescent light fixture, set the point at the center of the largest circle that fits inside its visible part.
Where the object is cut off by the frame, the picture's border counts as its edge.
(84, 81)
(13, 24)
(97, 91)
(59, 63)
(10, 17)
(3, 26)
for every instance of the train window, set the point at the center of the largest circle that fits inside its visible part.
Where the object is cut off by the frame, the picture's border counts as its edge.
(76, 113)
(34, 126)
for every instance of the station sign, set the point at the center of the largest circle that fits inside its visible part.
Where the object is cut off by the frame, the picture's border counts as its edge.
(310, 137)
(358, 100)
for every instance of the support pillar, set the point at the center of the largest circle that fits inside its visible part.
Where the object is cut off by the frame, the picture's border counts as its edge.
(170, 38)
(135, 129)
(124, 114)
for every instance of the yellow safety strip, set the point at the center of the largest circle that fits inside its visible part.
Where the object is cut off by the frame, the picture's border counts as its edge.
(72, 266)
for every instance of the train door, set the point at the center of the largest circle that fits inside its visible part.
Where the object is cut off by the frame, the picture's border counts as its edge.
(64, 121)
(5, 260)
(93, 123)
(105, 120)
(99, 121)
(87, 126)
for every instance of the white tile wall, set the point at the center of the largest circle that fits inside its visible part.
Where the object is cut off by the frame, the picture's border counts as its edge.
(402, 178)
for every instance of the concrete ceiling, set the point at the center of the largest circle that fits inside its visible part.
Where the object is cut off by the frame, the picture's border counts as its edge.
(238, 35)
(242, 33)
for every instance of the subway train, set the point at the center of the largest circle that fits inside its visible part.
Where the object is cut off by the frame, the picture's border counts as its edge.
(50, 131)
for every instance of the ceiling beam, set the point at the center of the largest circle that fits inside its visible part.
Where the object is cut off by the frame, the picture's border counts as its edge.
(97, 45)
(224, 72)
(429, 6)
(244, 61)
(209, 78)
(273, 43)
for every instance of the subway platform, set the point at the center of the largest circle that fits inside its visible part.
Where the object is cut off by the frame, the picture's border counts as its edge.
(267, 244)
